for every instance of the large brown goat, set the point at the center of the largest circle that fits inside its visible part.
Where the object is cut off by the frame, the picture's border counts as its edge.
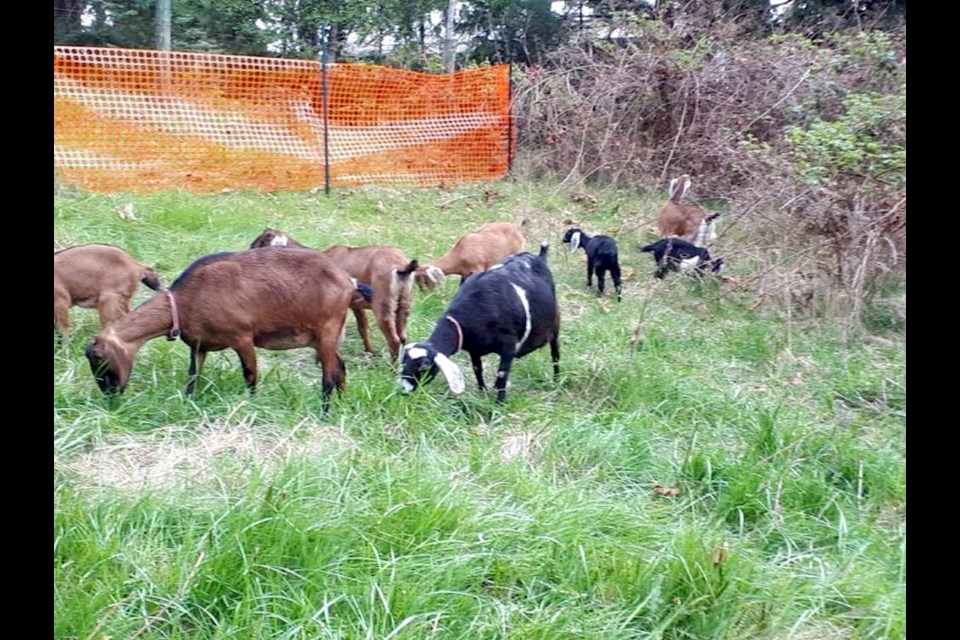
(269, 298)
(688, 221)
(97, 276)
(388, 273)
(473, 253)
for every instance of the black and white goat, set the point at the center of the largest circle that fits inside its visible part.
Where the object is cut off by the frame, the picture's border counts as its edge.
(601, 257)
(510, 309)
(674, 254)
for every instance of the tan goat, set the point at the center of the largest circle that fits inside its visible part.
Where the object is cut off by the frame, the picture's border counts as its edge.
(688, 221)
(473, 253)
(98, 276)
(269, 298)
(385, 269)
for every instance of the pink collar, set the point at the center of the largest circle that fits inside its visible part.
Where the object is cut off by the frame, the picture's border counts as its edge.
(459, 332)
(175, 330)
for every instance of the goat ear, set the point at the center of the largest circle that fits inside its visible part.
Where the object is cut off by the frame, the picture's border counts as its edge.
(575, 241)
(436, 275)
(679, 187)
(451, 372)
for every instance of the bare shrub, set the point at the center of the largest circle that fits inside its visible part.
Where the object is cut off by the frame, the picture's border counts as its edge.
(804, 141)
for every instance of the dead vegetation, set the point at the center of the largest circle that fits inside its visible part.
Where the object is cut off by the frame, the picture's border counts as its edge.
(801, 143)
(177, 456)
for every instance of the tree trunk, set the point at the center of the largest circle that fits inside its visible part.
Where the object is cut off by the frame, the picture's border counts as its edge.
(449, 39)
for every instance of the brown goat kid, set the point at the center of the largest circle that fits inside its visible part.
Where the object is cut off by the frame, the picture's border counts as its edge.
(385, 269)
(685, 220)
(269, 298)
(97, 276)
(473, 253)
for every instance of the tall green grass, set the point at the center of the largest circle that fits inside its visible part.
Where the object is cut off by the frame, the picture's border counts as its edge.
(433, 516)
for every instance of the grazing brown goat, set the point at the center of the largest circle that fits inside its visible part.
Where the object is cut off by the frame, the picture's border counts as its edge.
(269, 298)
(387, 271)
(473, 253)
(97, 276)
(685, 220)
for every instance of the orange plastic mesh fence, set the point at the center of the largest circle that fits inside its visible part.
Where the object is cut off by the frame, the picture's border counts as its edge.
(132, 120)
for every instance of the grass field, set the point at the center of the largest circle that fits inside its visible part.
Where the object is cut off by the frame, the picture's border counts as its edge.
(702, 469)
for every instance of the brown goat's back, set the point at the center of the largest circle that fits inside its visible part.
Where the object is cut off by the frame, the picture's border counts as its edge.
(390, 273)
(99, 276)
(488, 245)
(276, 294)
(681, 220)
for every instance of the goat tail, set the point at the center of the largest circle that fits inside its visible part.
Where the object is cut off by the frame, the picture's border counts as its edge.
(151, 279)
(650, 247)
(401, 280)
(711, 217)
(544, 249)
(524, 224)
(406, 271)
(365, 290)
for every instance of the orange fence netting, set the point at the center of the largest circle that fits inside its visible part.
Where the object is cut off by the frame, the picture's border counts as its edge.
(131, 120)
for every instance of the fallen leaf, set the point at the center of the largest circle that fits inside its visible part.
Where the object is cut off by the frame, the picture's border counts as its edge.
(666, 492)
(605, 306)
(583, 197)
(629, 273)
(756, 303)
(637, 337)
(126, 212)
(721, 553)
(490, 196)
(795, 379)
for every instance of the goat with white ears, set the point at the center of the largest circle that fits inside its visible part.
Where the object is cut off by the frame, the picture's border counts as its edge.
(510, 309)
(688, 221)
(675, 254)
(601, 257)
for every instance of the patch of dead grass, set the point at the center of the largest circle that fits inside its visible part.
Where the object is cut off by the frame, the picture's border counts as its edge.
(175, 455)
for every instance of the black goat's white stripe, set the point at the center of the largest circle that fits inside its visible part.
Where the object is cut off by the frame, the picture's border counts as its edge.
(526, 309)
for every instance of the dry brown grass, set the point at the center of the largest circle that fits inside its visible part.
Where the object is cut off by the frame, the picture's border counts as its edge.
(175, 456)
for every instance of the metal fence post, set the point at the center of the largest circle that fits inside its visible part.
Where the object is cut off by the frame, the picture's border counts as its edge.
(326, 110)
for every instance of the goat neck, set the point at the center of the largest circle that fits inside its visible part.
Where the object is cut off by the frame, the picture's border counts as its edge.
(447, 337)
(150, 320)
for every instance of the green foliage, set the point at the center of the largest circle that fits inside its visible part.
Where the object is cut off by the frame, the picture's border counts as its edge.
(868, 140)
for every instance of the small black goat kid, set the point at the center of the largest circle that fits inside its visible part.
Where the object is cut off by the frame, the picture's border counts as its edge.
(510, 309)
(674, 254)
(601, 257)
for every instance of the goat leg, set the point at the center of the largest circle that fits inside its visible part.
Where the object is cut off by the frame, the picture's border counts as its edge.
(394, 342)
(61, 311)
(197, 358)
(112, 306)
(334, 370)
(363, 326)
(555, 356)
(601, 283)
(617, 285)
(589, 272)
(478, 370)
(506, 360)
(248, 361)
